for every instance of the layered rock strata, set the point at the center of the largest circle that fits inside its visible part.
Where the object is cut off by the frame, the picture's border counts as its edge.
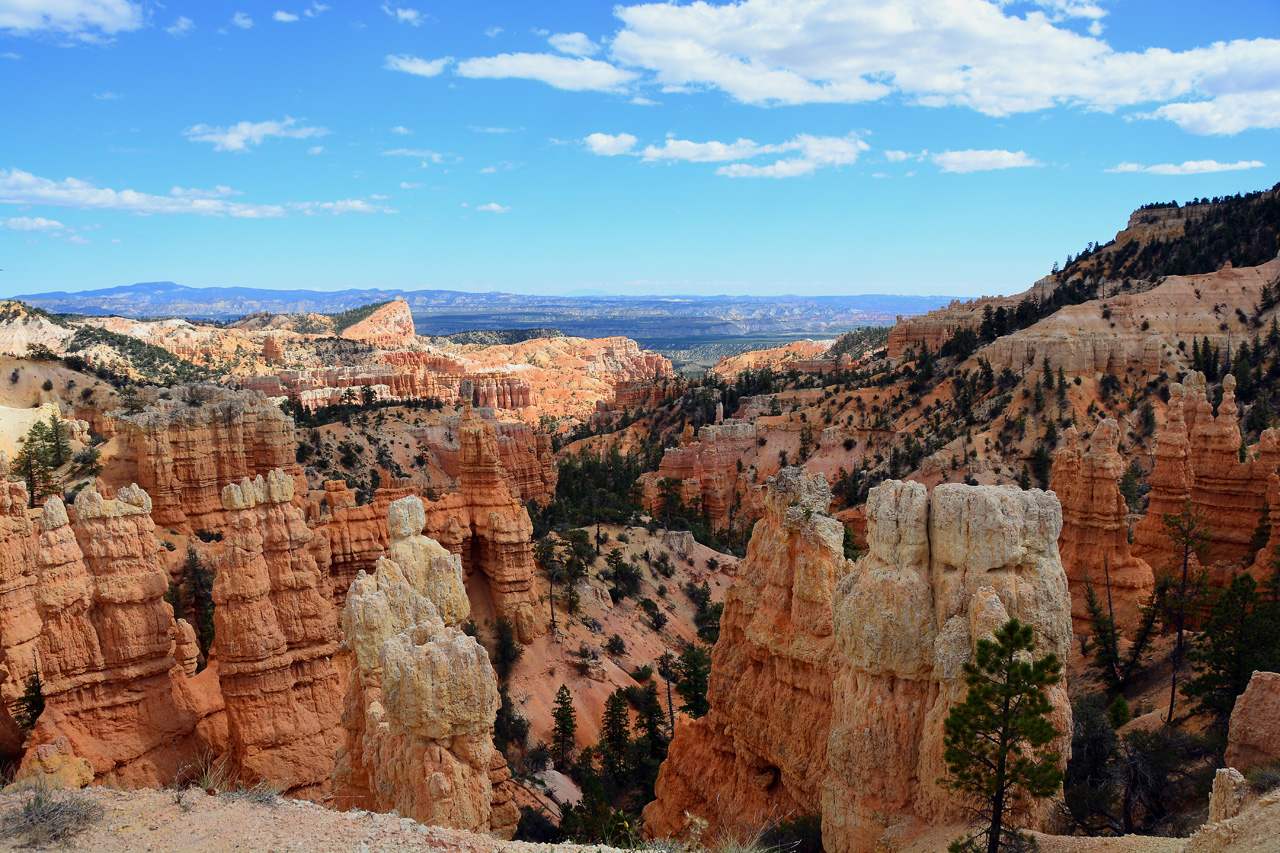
(19, 619)
(1198, 460)
(712, 471)
(275, 636)
(488, 526)
(185, 450)
(832, 680)
(114, 662)
(421, 697)
(1094, 544)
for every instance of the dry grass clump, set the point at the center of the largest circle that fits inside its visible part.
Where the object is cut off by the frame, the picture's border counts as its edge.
(47, 817)
(215, 776)
(1264, 779)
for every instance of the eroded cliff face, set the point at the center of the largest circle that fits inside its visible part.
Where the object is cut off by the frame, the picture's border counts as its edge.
(832, 680)
(275, 636)
(184, 450)
(712, 470)
(421, 697)
(761, 751)
(390, 326)
(1094, 544)
(487, 525)
(114, 662)
(1253, 738)
(1198, 460)
(19, 619)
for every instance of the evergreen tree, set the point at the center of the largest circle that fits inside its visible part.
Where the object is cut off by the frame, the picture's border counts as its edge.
(615, 736)
(506, 648)
(1116, 669)
(565, 727)
(544, 551)
(1239, 637)
(30, 705)
(1182, 586)
(59, 447)
(198, 594)
(669, 669)
(695, 672)
(997, 740)
(649, 721)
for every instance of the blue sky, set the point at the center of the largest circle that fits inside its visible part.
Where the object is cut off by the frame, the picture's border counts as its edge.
(762, 147)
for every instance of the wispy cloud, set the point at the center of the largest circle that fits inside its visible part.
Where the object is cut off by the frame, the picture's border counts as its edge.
(426, 155)
(240, 137)
(491, 129)
(241, 20)
(416, 65)
(809, 153)
(107, 96)
(976, 160)
(401, 130)
(1189, 167)
(284, 17)
(33, 223)
(19, 187)
(563, 72)
(575, 44)
(180, 27)
(404, 15)
(88, 21)
(493, 32)
(493, 207)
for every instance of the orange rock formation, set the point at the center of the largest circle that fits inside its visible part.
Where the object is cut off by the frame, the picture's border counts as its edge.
(713, 471)
(1200, 462)
(1094, 544)
(1254, 736)
(390, 326)
(114, 662)
(832, 680)
(421, 698)
(184, 450)
(275, 635)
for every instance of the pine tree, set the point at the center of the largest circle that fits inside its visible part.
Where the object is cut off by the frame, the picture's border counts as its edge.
(544, 551)
(615, 736)
(1239, 637)
(565, 727)
(669, 669)
(59, 447)
(1182, 586)
(198, 591)
(997, 740)
(649, 721)
(30, 705)
(695, 673)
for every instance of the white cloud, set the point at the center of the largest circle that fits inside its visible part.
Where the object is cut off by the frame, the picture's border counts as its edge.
(504, 166)
(19, 187)
(241, 20)
(975, 160)
(284, 17)
(315, 149)
(11, 55)
(241, 136)
(108, 96)
(1189, 167)
(412, 17)
(609, 145)
(401, 130)
(315, 10)
(1226, 114)
(492, 129)
(33, 223)
(116, 240)
(220, 191)
(575, 75)
(180, 27)
(83, 20)
(702, 152)
(414, 65)
(575, 44)
(898, 156)
(491, 32)
(492, 207)
(967, 53)
(424, 154)
(78, 240)
(810, 153)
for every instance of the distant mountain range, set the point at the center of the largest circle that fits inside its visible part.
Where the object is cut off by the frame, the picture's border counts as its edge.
(445, 312)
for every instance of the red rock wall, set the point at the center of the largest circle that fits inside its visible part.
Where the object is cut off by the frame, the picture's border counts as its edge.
(275, 635)
(184, 455)
(1094, 543)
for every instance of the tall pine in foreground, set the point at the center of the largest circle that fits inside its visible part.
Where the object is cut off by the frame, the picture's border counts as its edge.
(997, 739)
(565, 728)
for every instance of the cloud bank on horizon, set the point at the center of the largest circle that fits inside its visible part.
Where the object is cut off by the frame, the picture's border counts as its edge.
(621, 144)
